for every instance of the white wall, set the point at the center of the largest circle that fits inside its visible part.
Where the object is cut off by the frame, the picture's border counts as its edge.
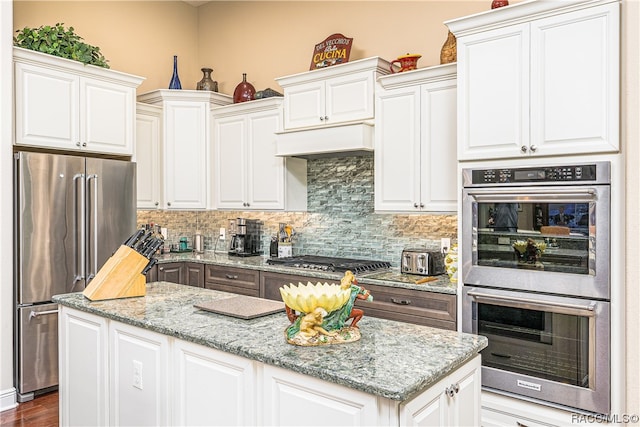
(7, 391)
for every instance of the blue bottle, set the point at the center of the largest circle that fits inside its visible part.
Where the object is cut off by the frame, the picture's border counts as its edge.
(175, 80)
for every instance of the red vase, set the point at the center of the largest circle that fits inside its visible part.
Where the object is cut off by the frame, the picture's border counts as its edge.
(499, 3)
(244, 91)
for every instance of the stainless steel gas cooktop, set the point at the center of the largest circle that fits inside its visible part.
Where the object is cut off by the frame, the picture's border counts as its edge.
(322, 263)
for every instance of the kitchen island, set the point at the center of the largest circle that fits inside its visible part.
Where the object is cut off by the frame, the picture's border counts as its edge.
(157, 360)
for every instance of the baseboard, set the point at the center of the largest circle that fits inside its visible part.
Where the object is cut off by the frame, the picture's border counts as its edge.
(8, 399)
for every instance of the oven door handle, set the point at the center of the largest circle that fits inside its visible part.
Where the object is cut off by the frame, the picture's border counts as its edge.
(533, 304)
(509, 194)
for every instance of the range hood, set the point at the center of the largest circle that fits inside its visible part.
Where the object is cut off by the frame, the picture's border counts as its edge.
(340, 140)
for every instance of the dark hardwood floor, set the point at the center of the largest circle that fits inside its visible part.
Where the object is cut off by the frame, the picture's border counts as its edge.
(39, 412)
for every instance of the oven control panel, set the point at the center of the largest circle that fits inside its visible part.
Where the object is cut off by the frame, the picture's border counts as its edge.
(553, 174)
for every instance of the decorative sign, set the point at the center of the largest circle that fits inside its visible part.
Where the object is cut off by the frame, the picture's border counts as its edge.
(335, 49)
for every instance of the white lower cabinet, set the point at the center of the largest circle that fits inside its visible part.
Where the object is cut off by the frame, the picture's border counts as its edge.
(212, 387)
(453, 401)
(501, 411)
(84, 372)
(292, 399)
(113, 373)
(139, 376)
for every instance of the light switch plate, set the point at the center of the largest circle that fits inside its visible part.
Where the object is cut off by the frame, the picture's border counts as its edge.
(223, 233)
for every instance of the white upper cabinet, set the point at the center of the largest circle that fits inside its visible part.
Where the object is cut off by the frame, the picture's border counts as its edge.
(247, 173)
(415, 141)
(148, 156)
(338, 94)
(67, 105)
(186, 150)
(539, 79)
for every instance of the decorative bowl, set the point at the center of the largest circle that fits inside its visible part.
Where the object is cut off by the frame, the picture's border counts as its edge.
(306, 298)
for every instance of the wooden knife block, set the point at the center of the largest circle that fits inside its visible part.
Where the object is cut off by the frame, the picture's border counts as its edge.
(119, 277)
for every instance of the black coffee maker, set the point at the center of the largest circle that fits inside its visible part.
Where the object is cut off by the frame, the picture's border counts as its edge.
(245, 237)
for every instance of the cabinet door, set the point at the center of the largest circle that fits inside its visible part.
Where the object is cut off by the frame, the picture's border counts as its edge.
(186, 136)
(212, 387)
(172, 272)
(438, 149)
(265, 171)
(294, 399)
(429, 409)
(46, 108)
(194, 274)
(465, 405)
(147, 157)
(349, 98)
(304, 105)
(230, 152)
(139, 373)
(575, 82)
(493, 93)
(397, 150)
(107, 117)
(84, 374)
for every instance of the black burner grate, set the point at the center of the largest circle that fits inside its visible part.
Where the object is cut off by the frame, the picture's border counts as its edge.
(330, 263)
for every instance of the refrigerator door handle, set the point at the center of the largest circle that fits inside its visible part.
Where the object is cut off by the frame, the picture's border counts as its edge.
(41, 313)
(80, 227)
(93, 270)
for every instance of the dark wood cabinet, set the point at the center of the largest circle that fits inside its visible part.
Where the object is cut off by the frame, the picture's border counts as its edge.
(194, 274)
(404, 305)
(411, 306)
(235, 280)
(172, 272)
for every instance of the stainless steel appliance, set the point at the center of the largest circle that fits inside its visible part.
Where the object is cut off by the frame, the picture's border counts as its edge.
(503, 206)
(422, 262)
(71, 214)
(536, 273)
(314, 262)
(246, 237)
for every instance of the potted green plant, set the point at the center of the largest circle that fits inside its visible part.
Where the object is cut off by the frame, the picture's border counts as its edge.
(59, 41)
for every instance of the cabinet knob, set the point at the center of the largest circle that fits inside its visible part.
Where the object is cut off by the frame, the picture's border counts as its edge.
(161, 268)
(84, 144)
(421, 205)
(321, 118)
(449, 391)
(523, 148)
(533, 148)
(415, 205)
(78, 144)
(168, 203)
(326, 118)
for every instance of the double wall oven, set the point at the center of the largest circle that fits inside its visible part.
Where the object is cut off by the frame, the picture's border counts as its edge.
(535, 248)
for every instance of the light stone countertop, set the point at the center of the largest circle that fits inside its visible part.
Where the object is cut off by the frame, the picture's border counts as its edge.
(391, 277)
(392, 359)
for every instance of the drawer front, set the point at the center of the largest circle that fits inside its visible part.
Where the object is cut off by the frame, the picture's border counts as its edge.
(270, 283)
(406, 305)
(229, 279)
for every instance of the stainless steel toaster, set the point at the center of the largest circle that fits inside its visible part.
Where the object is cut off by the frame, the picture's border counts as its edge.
(422, 262)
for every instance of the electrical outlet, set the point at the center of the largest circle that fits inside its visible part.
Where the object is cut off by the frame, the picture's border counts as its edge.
(137, 374)
(223, 233)
(445, 244)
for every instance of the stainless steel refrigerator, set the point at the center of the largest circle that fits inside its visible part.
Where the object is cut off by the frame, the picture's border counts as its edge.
(71, 214)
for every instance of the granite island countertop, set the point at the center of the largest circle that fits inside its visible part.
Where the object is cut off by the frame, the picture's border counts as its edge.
(392, 359)
(391, 277)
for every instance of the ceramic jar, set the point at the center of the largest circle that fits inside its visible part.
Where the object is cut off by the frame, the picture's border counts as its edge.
(207, 83)
(244, 91)
(407, 62)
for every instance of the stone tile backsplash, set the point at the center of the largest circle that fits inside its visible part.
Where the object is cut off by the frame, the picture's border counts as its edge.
(340, 219)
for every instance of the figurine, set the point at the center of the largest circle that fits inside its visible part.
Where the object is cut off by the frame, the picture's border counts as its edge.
(324, 310)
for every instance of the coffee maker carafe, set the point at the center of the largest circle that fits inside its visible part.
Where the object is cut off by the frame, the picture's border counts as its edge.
(245, 237)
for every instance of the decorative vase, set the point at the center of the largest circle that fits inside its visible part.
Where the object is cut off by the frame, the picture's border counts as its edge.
(499, 3)
(451, 263)
(207, 83)
(244, 91)
(449, 51)
(175, 80)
